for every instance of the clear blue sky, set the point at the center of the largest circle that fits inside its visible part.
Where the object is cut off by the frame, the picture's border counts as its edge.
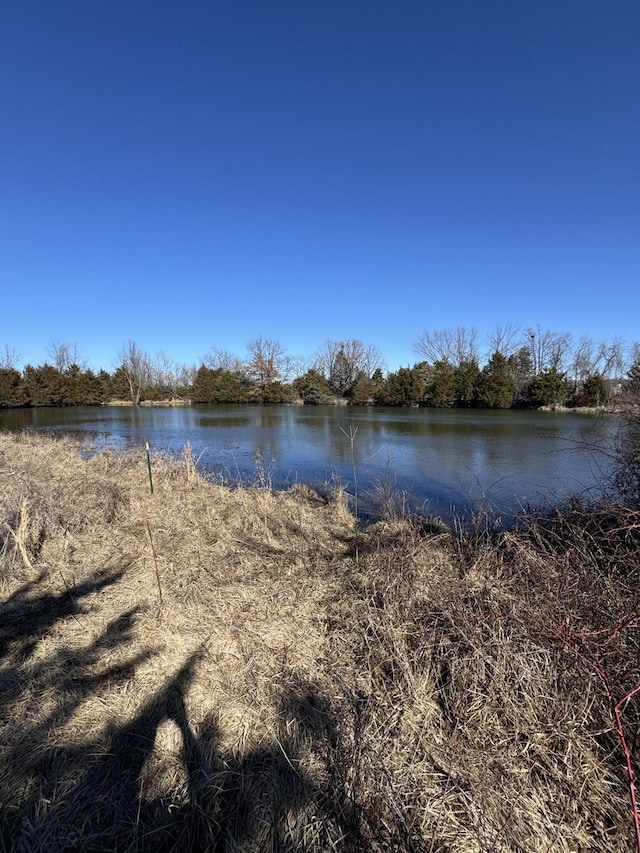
(191, 175)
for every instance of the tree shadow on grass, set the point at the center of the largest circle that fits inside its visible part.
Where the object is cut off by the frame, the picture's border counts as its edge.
(286, 796)
(42, 694)
(66, 787)
(26, 616)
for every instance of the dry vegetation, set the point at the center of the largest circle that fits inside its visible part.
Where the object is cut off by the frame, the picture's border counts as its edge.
(232, 670)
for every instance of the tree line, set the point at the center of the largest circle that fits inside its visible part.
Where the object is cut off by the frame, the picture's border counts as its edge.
(520, 369)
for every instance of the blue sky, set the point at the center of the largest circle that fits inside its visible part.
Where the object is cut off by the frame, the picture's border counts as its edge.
(192, 175)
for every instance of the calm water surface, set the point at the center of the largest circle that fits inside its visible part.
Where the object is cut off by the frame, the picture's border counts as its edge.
(439, 461)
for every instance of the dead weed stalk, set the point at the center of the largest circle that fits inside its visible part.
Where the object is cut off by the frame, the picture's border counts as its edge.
(155, 560)
(21, 534)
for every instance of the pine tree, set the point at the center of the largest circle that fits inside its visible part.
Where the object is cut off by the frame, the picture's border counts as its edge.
(496, 385)
(13, 392)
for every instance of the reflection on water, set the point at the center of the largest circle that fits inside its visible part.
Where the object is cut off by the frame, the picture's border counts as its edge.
(235, 421)
(444, 460)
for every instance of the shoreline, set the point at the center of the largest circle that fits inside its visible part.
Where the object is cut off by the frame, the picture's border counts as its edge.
(177, 402)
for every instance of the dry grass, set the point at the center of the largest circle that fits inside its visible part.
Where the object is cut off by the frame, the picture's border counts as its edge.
(288, 696)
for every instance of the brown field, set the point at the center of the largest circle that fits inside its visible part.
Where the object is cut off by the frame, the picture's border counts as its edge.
(239, 670)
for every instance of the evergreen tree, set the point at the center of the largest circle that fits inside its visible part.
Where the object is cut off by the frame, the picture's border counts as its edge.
(103, 384)
(13, 391)
(368, 391)
(363, 391)
(441, 389)
(521, 367)
(72, 386)
(220, 386)
(633, 380)
(93, 391)
(312, 387)
(466, 383)
(119, 385)
(276, 392)
(378, 382)
(496, 385)
(342, 376)
(595, 391)
(547, 388)
(405, 387)
(45, 385)
(203, 385)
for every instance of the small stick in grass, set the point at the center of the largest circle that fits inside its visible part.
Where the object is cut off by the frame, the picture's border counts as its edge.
(149, 468)
(155, 561)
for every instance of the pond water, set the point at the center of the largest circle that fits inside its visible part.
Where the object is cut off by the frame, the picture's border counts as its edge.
(437, 461)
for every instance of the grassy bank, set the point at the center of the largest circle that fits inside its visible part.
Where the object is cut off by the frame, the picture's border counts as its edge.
(208, 669)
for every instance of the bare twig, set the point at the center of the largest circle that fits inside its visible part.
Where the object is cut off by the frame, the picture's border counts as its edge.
(155, 561)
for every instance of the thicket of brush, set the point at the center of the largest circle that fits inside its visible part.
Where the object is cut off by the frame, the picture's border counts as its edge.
(211, 669)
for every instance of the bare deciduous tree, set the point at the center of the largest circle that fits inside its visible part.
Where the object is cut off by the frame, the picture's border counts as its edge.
(186, 375)
(9, 357)
(295, 365)
(136, 365)
(221, 359)
(451, 345)
(611, 358)
(504, 338)
(549, 350)
(169, 374)
(598, 358)
(584, 359)
(342, 362)
(265, 361)
(65, 355)
(161, 369)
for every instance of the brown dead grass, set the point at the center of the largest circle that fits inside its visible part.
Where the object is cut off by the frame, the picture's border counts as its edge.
(293, 692)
